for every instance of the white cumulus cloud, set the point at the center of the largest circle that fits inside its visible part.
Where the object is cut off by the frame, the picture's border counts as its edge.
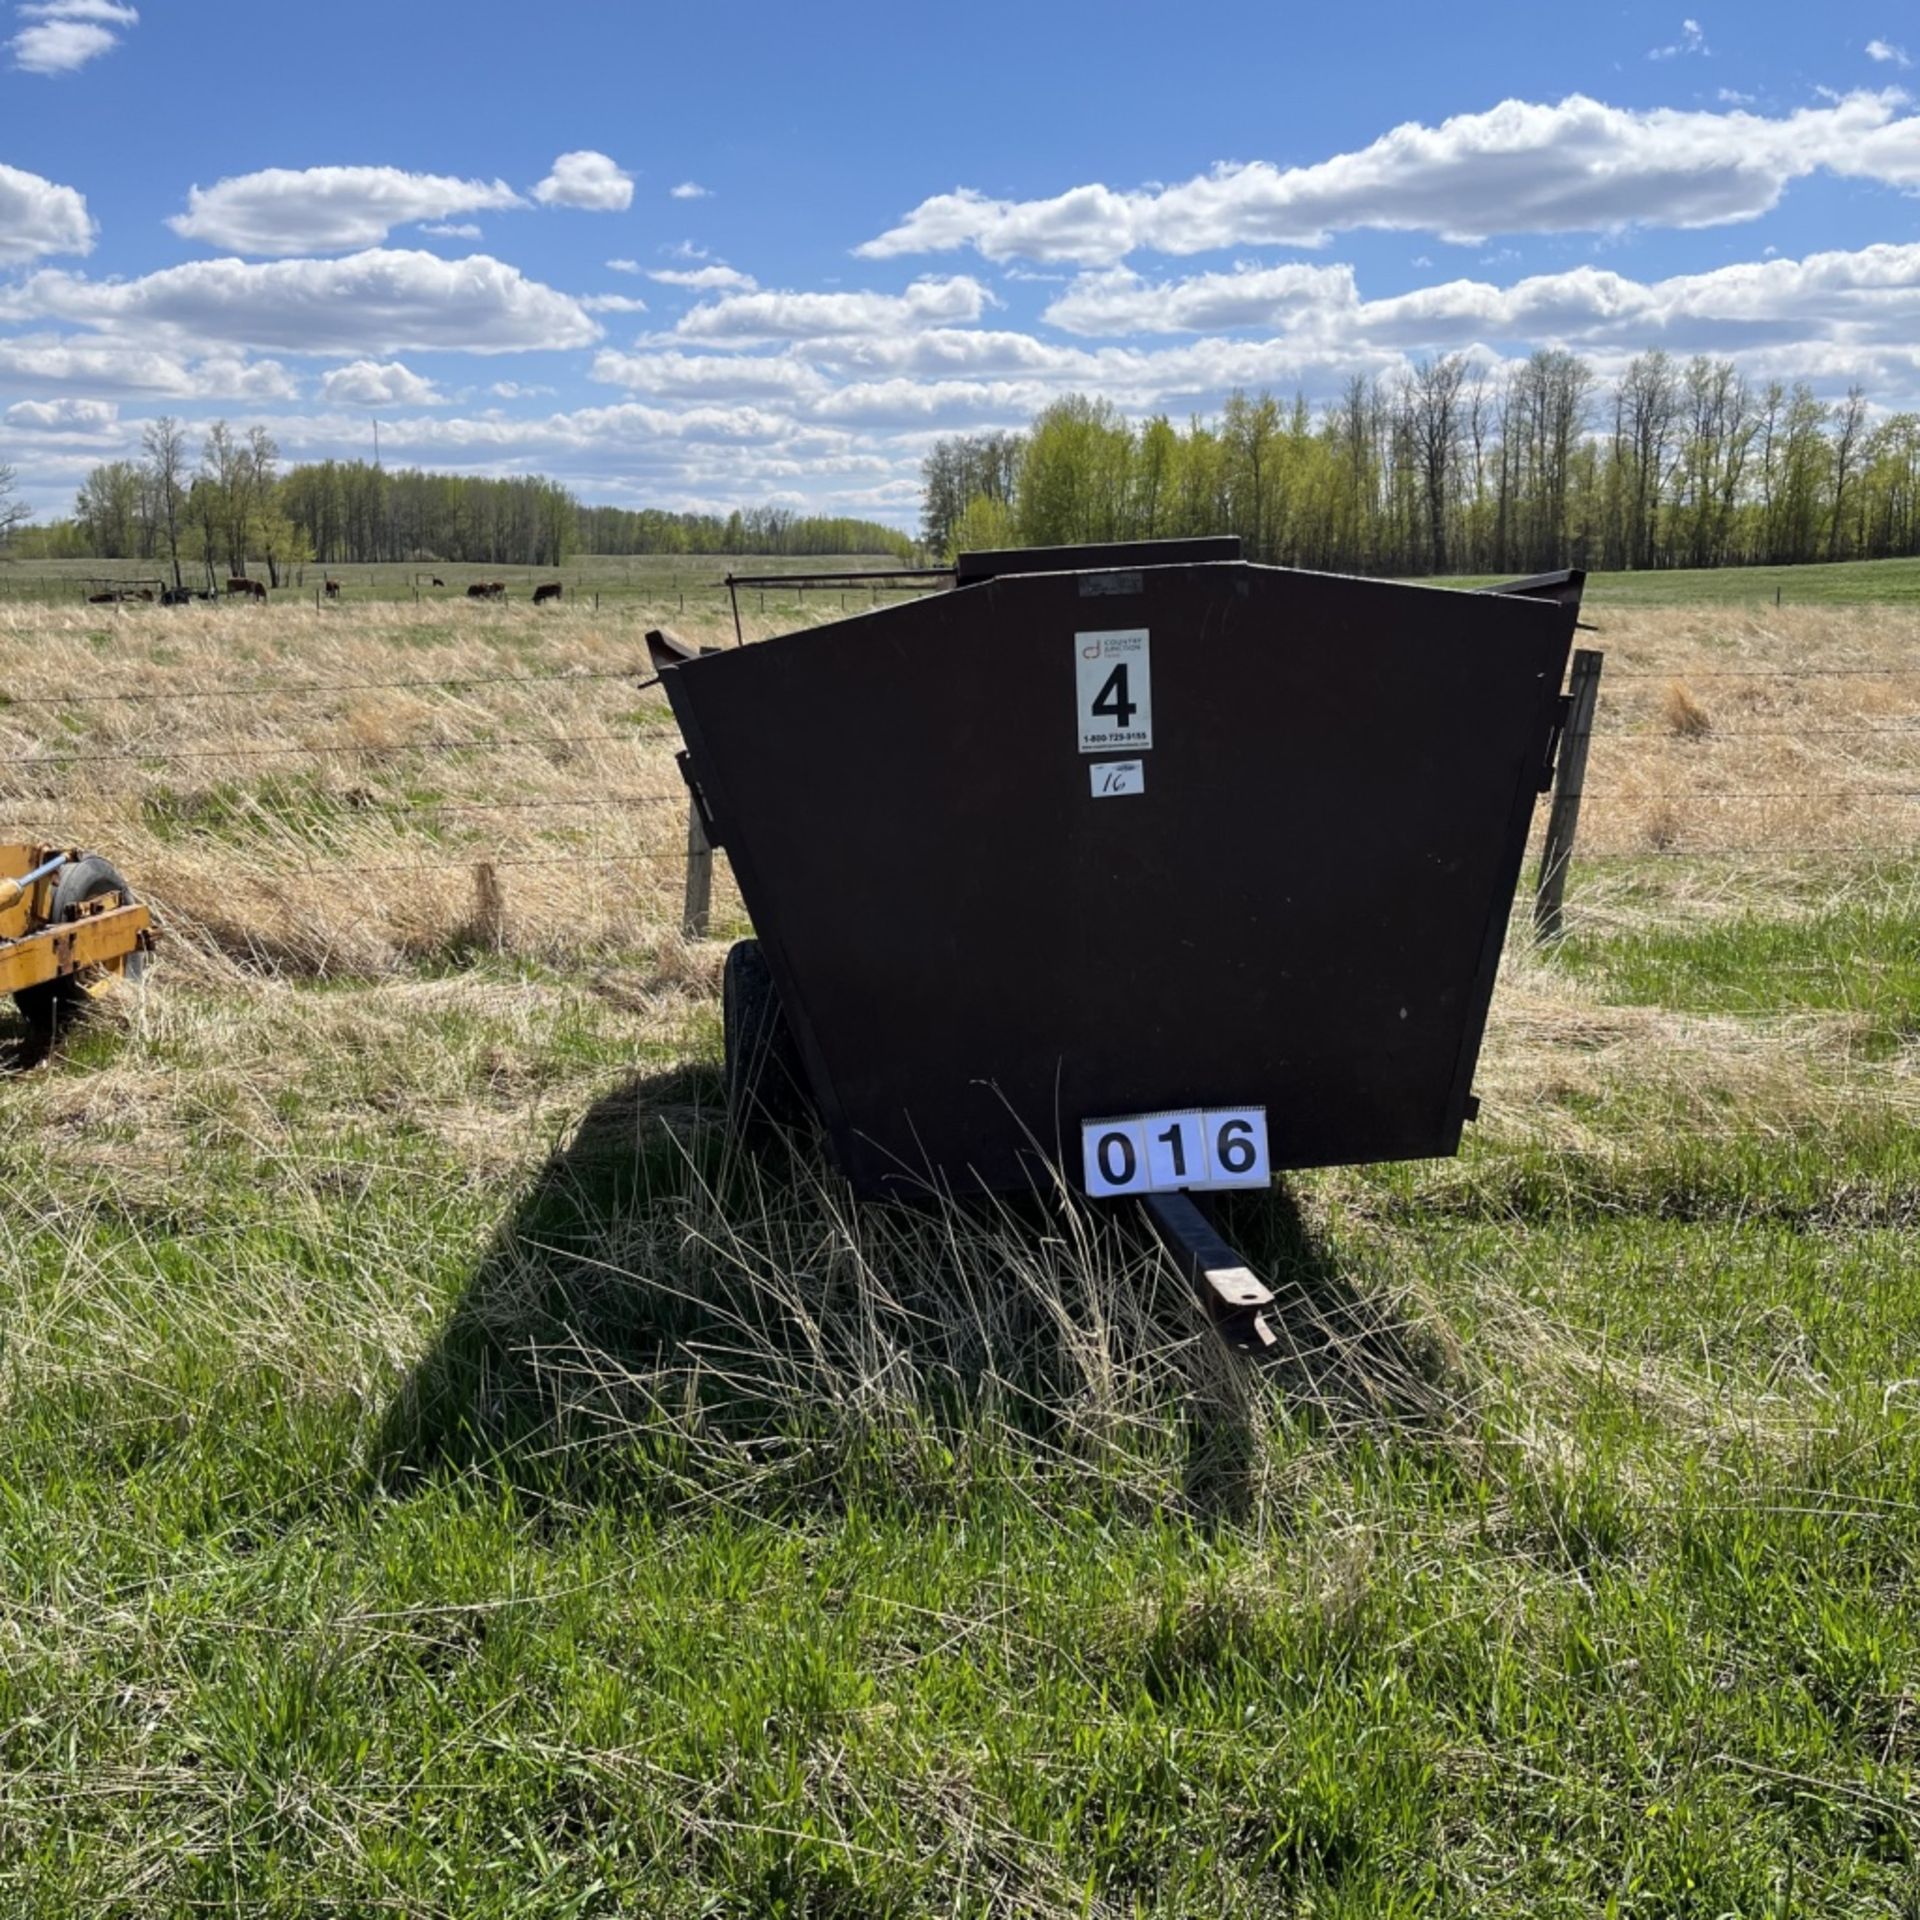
(1119, 301)
(1578, 166)
(690, 190)
(371, 303)
(372, 383)
(803, 316)
(48, 364)
(732, 376)
(38, 218)
(66, 34)
(286, 210)
(587, 180)
(62, 416)
(1887, 53)
(714, 279)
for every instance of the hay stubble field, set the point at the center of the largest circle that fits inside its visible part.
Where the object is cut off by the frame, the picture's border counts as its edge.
(440, 1475)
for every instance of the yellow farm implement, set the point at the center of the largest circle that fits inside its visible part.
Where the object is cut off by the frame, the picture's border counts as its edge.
(68, 924)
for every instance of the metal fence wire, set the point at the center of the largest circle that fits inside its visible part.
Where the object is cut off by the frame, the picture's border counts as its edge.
(1592, 716)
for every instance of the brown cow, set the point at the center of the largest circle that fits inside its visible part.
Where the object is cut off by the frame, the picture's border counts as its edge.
(246, 589)
(551, 591)
(333, 589)
(487, 590)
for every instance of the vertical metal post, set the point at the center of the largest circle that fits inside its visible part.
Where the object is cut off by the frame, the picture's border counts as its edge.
(1569, 782)
(733, 594)
(699, 904)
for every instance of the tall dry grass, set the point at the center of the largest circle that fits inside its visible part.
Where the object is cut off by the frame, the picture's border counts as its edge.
(1755, 733)
(530, 812)
(349, 813)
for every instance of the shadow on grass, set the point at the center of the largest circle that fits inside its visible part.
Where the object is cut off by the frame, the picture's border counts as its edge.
(668, 1319)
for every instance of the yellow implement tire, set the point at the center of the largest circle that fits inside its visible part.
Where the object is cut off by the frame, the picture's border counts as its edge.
(54, 1004)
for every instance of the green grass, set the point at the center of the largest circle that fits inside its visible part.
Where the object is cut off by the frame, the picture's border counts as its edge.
(1844, 583)
(600, 1523)
(1857, 957)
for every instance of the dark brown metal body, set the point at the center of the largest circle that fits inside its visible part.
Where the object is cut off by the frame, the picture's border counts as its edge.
(1303, 909)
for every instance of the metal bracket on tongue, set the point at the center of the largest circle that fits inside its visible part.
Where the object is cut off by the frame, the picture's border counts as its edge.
(1229, 1290)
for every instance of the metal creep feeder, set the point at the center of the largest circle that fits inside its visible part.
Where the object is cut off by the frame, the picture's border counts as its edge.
(1141, 863)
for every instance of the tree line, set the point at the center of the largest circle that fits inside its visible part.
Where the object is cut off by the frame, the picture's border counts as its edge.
(208, 512)
(1456, 468)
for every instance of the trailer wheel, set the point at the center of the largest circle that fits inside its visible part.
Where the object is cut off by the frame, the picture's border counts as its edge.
(54, 1004)
(766, 1084)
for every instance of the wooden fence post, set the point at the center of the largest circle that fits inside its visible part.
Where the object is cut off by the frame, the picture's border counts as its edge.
(693, 921)
(1569, 782)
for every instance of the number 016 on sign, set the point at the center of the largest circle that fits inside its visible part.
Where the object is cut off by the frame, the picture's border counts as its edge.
(1164, 1152)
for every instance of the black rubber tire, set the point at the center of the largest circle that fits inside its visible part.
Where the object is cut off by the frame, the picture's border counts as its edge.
(766, 1083)
(53, 1004)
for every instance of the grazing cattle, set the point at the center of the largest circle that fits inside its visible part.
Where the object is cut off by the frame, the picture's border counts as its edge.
(246, 589)
(103, 599)
(333, 589)
(176, 596)
(487, 590)
(437, 581)
(551, 591)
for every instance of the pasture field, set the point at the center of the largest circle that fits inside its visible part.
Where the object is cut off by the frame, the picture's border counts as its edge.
(1843, 583)
(440, 1476)
(681, 583)
(660, 582)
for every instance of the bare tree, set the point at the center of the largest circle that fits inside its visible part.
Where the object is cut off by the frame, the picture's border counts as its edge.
(1850, 425)
(165, 443)
(1647, 411)
(1433, 416)
(14, 512)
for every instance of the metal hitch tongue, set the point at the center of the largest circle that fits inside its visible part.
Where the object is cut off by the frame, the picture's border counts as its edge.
(1235, 1296)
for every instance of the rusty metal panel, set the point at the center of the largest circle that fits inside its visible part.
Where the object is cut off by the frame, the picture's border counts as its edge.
(1297, 900)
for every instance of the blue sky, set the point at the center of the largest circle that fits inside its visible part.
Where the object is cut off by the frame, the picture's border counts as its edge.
(704, 258)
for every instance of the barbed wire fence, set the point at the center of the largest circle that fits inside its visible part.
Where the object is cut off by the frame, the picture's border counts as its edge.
(1594, 715)
(1588, 716)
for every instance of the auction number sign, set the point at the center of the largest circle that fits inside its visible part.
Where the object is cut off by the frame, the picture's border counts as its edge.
(1115, 682)
(1165, 1152)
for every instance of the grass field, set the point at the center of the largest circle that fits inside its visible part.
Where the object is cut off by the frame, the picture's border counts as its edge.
(1846, 583)
(673, 583)
(439, 1475)
(677, 582)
